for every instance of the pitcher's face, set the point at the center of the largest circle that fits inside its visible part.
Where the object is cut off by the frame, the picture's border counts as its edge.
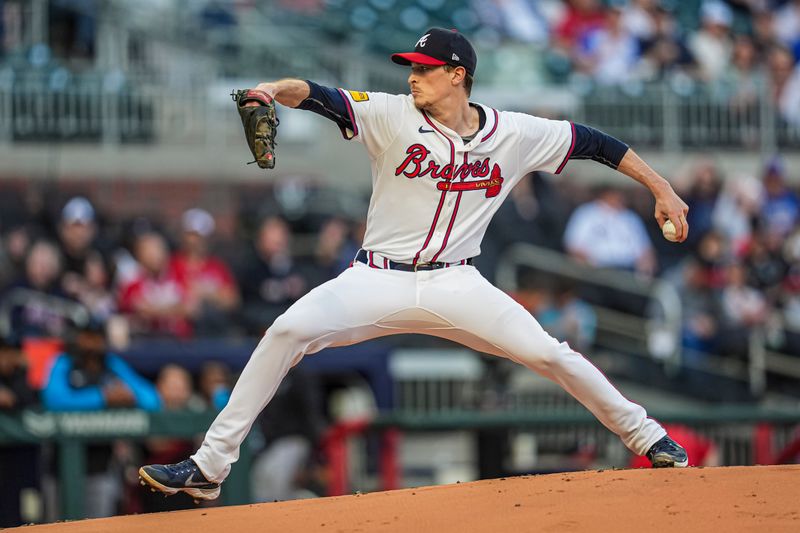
(429, 84)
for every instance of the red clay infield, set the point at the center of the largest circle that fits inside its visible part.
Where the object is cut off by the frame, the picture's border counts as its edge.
(718, 500)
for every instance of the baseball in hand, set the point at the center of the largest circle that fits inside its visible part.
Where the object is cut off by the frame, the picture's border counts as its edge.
(669, 231)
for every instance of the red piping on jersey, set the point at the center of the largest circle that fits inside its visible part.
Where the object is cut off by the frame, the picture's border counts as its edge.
(350, 112)
(571, 148)
(444, 193)
(452, 218)
(494, 128)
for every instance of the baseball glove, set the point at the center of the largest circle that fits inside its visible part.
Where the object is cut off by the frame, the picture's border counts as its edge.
(260, 124)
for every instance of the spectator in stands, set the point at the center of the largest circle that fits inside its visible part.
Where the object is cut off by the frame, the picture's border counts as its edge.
(742, 83)
(700, 326)
(215, 384)
(73, 29)
(326, 262)
(523, 21)
(705, 185)
(15, 393)
(787, 25)
(706, 329)
(19, 463)
(639, 17)
(291, 426)
(789, 297)
(763, 34)
(519, 20)
(609, 53)
(36, 297)
(14, 245)
(789, 99)
(736, 209)
(666, 52)
(784, 79)
(534, 291)
(174, 386)
(211, 284)
(605, 233)
(568, 318)
(743, 308)
(85, 277)
(157, 300)
(781, 209)
(580, 18)
(713, 255)
(711, 45)
(766, 266)
(126, 267)
(88, 378)
(217, 15)
(271, 280)
(76, 231)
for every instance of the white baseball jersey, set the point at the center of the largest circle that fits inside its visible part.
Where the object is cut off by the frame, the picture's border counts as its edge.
(434, 196)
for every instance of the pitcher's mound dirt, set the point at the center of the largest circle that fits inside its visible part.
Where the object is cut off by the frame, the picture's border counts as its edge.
(718, 500)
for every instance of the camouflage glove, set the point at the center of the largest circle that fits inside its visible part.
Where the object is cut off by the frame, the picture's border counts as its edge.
(260, 124)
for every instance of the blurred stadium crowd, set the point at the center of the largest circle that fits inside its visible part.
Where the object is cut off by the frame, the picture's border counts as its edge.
(738, 270)
(733, 48)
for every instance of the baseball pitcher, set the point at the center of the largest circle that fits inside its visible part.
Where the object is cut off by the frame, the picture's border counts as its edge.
(441, 167)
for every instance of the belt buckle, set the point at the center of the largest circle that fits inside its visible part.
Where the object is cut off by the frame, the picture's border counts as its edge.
(417, 265)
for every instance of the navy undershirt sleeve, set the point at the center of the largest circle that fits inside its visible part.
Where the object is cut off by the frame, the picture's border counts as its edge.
(327, 102)
(598, 146)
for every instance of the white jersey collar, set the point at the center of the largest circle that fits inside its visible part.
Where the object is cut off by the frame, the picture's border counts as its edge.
(483, 134)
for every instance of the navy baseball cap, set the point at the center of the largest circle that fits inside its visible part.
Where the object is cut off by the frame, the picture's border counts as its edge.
(439, 46)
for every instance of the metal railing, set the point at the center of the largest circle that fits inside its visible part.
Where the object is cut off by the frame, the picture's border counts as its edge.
(665, 318)
(112, 108)
(72, 432)
(61, 307)
(764, 360)
(675, 119)
(633, 333)
(436, 381)
(87, 108)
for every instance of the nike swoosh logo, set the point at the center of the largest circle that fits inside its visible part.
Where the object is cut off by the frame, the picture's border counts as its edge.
(193, 483)
(424, 131)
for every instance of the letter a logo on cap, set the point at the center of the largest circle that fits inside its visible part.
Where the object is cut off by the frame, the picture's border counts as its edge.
(423, 40)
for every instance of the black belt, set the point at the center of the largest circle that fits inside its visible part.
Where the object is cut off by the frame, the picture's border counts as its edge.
(370, 260)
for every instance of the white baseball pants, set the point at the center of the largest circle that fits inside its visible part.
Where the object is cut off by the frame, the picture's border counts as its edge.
(455, 303)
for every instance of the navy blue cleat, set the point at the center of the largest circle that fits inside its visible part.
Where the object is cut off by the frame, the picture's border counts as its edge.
(666, 453)
(179, 477)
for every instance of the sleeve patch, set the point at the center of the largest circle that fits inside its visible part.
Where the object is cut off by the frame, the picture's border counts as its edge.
(359, 96)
